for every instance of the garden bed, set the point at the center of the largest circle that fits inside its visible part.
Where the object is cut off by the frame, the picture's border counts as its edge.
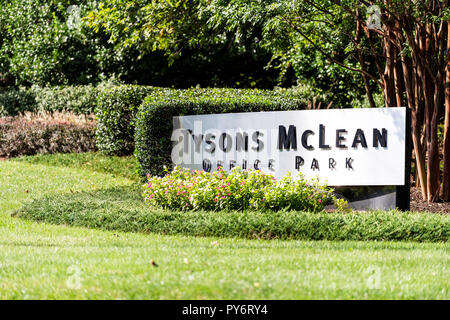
(420, 205)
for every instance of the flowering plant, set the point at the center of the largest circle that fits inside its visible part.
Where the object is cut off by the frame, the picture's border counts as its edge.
(183, 189)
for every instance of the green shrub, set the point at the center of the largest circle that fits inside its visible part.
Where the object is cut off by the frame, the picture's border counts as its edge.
(77, 99)
(154, 119)
(183, 189)
(16, 100)
(122, 209)
(115, 112)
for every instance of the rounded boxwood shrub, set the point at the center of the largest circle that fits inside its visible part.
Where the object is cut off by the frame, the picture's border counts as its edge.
(115, 113)
(154, 123)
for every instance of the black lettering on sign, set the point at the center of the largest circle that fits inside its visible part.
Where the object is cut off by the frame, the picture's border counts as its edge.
(380, 138)
(207, 165)
(305, 136)
(241, 141)
(259, 143)
(359, 138)
(299, 161)
(232, 164)
(244, 164)
(322, 144)
(197, 142)
(256, 164)
(225, 146)
(348, 163)
(271, 164)
(315, 165)
(340, 139)
(288, 140)
(331, 163)
(212, 146)
(219, 164)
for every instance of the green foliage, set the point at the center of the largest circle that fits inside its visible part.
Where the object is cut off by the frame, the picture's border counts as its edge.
(148, 25)
(115, 112)
(154, 118)
(122, 209)
(299, 39)
(16, 100)
(39, 47)
(310, 38)
(183, 189)
(341, 205)
(76, 99)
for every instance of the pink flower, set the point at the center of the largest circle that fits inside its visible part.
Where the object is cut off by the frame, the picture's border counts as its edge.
(187, 204)
(229, 193)
(320, 201)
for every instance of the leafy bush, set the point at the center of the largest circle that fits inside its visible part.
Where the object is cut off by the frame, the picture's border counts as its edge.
(45, 133)
(154, 119)
(122, 209)
(77, 99)
(116, 110)
(183, 189)
(16, 100)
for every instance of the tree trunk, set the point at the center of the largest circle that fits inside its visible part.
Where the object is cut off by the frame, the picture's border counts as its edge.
(446, 174)
(388, 76)
(431, 93)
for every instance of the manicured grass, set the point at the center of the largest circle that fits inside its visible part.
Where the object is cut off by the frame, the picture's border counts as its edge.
(93, 161)
(39, 260)
(122, 208)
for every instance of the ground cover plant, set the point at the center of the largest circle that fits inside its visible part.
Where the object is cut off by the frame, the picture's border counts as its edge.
(185, 189)
(41, 260)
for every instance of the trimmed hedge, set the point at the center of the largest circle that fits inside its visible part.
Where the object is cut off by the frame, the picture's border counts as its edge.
(21, 135)
(76, 99)
(16, 100)
(154, 119)
(122, 209)
(115, 112)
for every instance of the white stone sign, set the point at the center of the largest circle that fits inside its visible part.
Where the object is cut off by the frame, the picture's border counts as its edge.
(344, 147)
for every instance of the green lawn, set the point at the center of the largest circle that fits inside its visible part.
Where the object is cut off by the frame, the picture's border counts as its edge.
(39, 261)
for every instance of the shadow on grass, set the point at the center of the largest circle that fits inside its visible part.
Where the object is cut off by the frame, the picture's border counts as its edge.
(122, 209)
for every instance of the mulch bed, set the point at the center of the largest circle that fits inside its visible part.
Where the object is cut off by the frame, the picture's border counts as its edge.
(418, 204)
